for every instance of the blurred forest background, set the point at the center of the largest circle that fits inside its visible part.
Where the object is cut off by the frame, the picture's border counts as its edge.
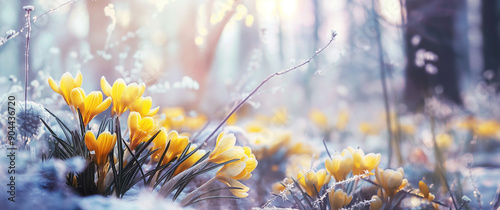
(219, 49)
(389, 56)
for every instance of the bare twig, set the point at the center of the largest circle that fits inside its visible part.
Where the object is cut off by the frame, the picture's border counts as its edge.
(332, 188)
(263, 82)
(361, 204)
(12, 34)
(477, 194)
(35, 18)
(288, 187)
(28, 9)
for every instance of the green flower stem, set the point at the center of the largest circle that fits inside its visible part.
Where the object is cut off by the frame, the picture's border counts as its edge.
(101, 180)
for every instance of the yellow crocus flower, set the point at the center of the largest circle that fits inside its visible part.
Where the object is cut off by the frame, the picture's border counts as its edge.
(123, 95)
(391, 181)
(174, 117)
(342, 120)
(194, 123)
(241, 169)
(338, 199)
(140, 128)
(425, 191)
(318, 118)
(377, 204)
(340, 165)
(90, 105)
(238, 170)
(143, 106)
(66, 85)
(469, 123)
(159, 144)
(280, 117)
(368, 129)
(225, 149)
(241, 193)
(362, 162)
(177, 145)
(190, 161)
(102, 146)
(487, 129)
(444, 141)
(312, 180)
(298, 148)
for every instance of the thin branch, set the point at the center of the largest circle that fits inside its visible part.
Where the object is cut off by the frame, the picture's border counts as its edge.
(263, 82)
(35, 18)
(28, 9)
(477, 194)
(12, 34)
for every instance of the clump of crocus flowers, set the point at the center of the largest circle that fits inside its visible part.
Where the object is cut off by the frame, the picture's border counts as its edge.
(145, 127)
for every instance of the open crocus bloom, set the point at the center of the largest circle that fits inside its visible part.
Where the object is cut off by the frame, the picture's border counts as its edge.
(241, 169)
(338, 199)
(102, 146)
(90, 105)
(66, 85)
(391, 181)
(362, 162)
(250, 165)
(143, 106)
(238, 170)
(122, 94)
(225, 150)
(340, 165)
(140, 129)
(177, 145)
(312, 180)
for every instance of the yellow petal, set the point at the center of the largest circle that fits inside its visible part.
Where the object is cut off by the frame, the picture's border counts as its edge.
(371, 161)
(423, 189)
(90, 141)
(146, 124)
(348, 200)
(159, 142)
(106, 88)
(241, 193)
(54, 85)
(321, 175)
(133, 122)
(153, 111)
(78, 80)
(377, 204)
(431, 197)
(232, 169)
(77, 98)
(395, 180)
(224, 142)
(230, 154)
(118, 91)
(104, 105)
